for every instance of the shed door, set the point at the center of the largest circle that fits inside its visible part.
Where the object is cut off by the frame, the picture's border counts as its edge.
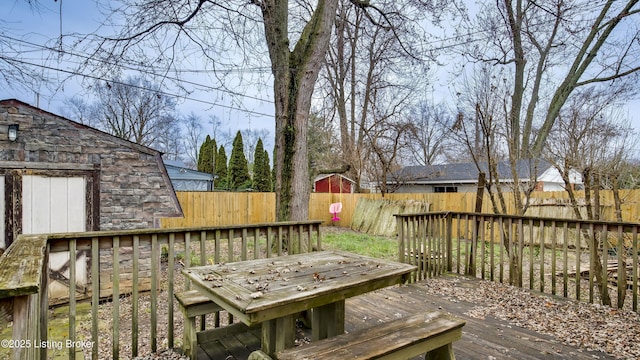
(53, 204)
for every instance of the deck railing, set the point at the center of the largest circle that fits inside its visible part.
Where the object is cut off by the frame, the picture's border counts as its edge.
(554, 256)
(102, 302)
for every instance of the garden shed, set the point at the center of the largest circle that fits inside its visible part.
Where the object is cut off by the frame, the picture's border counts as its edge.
(185, 179)
(57, 175)
(333, 183)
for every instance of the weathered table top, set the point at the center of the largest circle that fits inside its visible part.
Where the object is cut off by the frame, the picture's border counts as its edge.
(266, 289)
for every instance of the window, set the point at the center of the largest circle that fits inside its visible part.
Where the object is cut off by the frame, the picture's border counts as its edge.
(445, 189)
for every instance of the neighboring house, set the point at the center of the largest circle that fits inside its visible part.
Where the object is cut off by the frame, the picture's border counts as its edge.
(185, 179)
(463, 177)
(333, 183)
(57, 175)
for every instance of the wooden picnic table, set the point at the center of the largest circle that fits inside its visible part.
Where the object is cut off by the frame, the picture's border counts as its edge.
(273, 291)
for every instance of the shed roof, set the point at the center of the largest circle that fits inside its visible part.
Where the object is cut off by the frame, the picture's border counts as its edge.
(179, 171)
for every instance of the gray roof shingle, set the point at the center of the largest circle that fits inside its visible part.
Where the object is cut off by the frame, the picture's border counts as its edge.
(467, 172)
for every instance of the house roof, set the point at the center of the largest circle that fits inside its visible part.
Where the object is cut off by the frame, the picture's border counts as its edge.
(179, 171)
(467, 172)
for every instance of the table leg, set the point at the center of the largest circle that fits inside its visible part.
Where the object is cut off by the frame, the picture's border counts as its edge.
(278, 334)
(327, 321)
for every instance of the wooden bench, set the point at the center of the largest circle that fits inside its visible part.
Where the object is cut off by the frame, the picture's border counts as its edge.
(432, 333)
(193, 304)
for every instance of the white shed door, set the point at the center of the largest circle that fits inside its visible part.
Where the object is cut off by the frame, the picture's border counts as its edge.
(53, 204)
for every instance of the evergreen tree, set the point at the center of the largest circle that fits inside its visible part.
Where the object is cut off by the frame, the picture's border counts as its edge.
(221, 181)
(269, 172)
(261, 169)
(238, 167)
(207, 155)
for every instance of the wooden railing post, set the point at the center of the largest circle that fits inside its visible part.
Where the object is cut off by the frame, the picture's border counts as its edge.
(449, 240)
(22, 269)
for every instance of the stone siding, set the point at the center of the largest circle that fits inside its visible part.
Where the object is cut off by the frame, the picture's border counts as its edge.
(127, 187)
(134, 188)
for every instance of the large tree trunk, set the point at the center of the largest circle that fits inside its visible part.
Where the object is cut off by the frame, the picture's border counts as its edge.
(295, 73)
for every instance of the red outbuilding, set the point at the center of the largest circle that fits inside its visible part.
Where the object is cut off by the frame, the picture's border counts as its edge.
(333, 183)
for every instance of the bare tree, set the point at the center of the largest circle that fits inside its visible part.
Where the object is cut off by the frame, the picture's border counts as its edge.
(429, 137)
(372, 52)
(17, 73)
(386, 142)
(135, 110)
(79, 110)
(591, 138)
(232, 36)
(193, 137)
(551, 49)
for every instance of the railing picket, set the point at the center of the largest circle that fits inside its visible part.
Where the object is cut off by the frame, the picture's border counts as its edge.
(531, 244)
(230, 240)
(492, 251)
(279, 240)
(449, 240)
(243, 244)
(256, 243)
(622, 271)
(155, 258)
(319, 238)
(593, 252)
(542, 244)
(203, 261)
(554, 241)
(172, 265)
(187, 257)
(116, 299)
(203, 247)
(512, 252)
(72, 296)
(520, 252)
(269, 241)
(565, 270)
(578, 262)
(605, 258)
(502, 248)
(635, 272)
(458, 252)
(216, 250)
(135, 296)
(95, 295)
(301, 232)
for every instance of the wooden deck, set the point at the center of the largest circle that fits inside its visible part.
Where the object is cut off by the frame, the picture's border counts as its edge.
(487, 338)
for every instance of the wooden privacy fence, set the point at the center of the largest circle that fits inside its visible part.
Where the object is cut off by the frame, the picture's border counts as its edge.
(25, 275)
(227, 208)
(554, 256)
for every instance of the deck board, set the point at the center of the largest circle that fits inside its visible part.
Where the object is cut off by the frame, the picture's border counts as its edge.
(487, 338)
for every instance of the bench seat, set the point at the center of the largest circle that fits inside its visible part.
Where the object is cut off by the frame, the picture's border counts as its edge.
(432, 333)
(193, 304)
